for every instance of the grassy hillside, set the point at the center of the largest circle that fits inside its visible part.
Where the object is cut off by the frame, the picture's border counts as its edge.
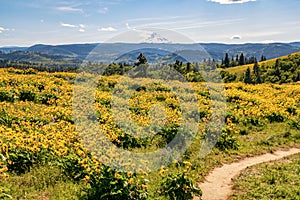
(267, 63)
(285, 69)
(38, 135)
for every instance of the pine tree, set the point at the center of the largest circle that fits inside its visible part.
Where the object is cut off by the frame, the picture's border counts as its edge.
(141, 66)
(226, 61)
(188, 67)
(247, 78)
(263, 58)
(141, 60)
(242, 60)
(256, 72)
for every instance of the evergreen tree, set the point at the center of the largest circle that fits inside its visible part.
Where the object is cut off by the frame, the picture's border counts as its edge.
(226, 61)
(242, 60)
(247, 78)
(263, 58)
(256, 72)
(277, 69)
(141, 60)
(298, 76)
(141, 66)
(188, 67)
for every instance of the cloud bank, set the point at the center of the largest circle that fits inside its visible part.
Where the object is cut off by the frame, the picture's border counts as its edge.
(230, 1)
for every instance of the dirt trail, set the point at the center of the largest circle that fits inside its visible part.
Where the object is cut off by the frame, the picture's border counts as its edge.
(218, 184)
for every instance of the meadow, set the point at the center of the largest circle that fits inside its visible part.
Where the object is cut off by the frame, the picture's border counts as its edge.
(42, 155)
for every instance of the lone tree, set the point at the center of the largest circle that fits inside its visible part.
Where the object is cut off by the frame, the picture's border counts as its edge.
(141, 60)
(141, 66)
(247, 78)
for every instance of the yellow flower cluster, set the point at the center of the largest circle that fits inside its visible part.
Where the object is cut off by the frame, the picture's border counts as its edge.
(34, 126)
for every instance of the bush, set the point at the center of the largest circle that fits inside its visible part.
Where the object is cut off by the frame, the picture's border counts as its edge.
(71, 167)
(227, 141)
(109, 184)
(20, 160)
(47, 98)
(169, 132)
(27, 95)
(178, 185)
(275, 117)
(292, 111)
(6, 96)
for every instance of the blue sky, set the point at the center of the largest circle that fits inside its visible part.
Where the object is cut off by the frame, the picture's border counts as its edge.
(29, 22)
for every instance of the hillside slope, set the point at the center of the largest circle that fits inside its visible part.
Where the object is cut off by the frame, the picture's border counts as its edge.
(267, 63)
(281, 70)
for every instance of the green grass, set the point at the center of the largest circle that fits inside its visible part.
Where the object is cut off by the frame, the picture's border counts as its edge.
(43, 183)
(274, 180)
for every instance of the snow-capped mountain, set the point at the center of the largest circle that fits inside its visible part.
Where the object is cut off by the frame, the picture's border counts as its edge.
(156, 38)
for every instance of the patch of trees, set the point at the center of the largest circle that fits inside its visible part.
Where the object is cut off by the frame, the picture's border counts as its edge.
(284, 70)
(238, 60)
(192, 72)
(43, 67)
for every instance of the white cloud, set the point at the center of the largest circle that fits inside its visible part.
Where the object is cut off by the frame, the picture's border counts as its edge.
(2, 29)
(230, 1)
(107, 29)
(68, 9)
(236, 37)
(68, 25)
(81, 27)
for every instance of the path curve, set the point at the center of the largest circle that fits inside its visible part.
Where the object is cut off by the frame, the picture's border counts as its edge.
(218, 184)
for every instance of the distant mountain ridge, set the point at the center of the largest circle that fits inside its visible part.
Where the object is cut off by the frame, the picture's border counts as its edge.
(113, 51)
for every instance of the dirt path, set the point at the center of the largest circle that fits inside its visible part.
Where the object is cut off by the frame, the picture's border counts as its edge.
(218, 184)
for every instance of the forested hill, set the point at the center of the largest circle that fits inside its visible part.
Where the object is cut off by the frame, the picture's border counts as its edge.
(280, 70)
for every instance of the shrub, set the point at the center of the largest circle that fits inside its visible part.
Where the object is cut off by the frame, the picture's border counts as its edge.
(47, 98)
(292, 110)
(21, 160)
(110, 184)
(227, 141)
(178, 185)
(169, 132)
(275, 117)
(27, 95)
(6, 96)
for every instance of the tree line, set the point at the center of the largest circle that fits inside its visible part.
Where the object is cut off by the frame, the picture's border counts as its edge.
(238, 60)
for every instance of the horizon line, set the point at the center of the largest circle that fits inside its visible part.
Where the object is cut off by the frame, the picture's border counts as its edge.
(87, 43)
